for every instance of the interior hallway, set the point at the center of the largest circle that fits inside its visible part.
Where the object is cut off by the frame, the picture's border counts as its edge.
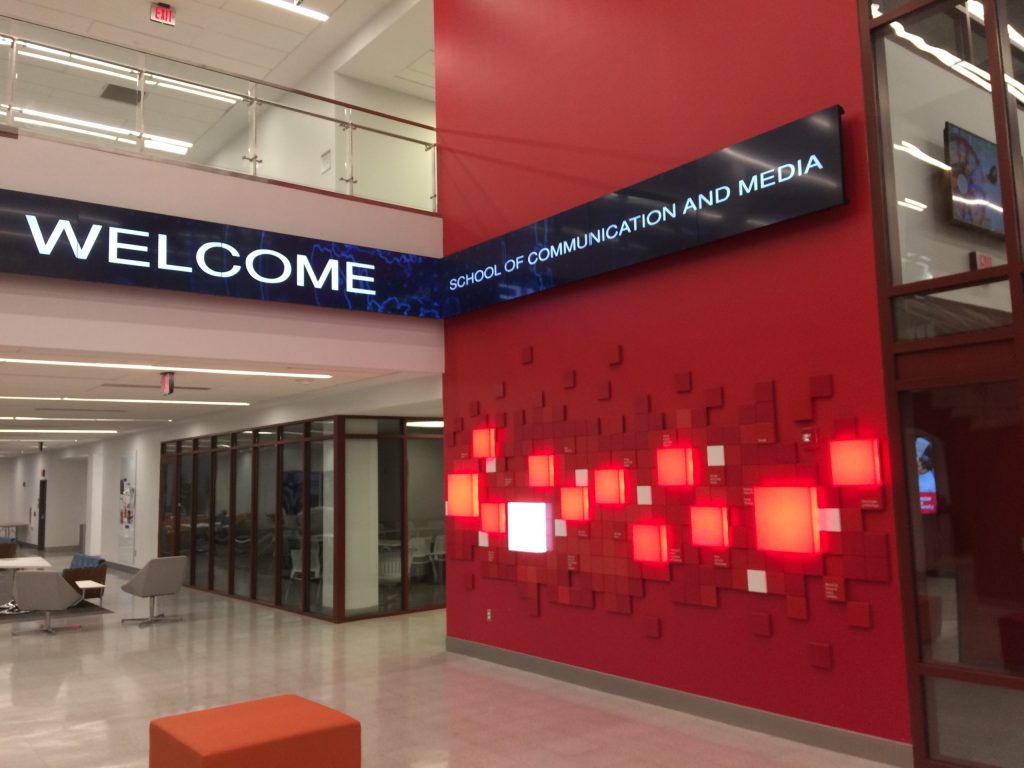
(84, 698)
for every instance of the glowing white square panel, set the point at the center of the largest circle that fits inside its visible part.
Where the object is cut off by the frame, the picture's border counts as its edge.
(643, 495)
(491, 466)
(716, 455)
(561, 529)
(582, 478)
(529, 526)
(757, 581)
(829, 520)
(482, 539)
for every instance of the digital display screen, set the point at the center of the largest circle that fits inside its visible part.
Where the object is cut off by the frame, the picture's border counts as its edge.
(976, 197)
(926, 488)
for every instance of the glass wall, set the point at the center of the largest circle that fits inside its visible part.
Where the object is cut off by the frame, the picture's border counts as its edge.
(258, 512)
(949, 148)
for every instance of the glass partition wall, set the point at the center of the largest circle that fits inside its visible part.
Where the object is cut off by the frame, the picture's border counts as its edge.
(948, 81)
(340, 517)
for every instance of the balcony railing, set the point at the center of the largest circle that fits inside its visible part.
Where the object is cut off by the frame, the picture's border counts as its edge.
(81, 90)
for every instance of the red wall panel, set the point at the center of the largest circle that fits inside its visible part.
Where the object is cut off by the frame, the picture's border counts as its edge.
(542, 106)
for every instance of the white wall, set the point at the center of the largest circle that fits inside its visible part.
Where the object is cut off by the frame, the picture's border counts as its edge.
(66, 496)
(8, 514)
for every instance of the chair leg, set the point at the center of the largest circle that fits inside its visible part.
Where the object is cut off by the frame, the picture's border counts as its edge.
(153, 617)
(47, 626)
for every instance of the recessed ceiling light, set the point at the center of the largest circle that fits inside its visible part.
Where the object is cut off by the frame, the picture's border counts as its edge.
(289, 5)
(162, 368)
(425, 424)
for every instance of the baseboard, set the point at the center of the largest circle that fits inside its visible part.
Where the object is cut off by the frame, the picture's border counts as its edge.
(814, 734)
(123, 568)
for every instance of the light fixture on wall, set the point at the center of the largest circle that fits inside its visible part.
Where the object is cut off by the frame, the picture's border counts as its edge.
(296, 7)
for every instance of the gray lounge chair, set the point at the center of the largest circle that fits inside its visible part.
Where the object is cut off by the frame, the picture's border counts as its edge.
(45, 591)
(159, 577)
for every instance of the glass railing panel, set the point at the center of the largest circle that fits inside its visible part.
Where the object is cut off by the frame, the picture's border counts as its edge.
(73, 96)
(390, 161)
(295, 138)
(197, 115)
(75, 89)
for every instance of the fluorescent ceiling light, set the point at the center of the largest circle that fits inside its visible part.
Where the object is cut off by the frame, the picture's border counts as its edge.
(118, 400)
(68, 128)
(163, 368)
(425, 424)
(73, 418)
(192, 88)
(79, 65)
(61, 431)
(149, 402)
(288, 5)
(99, 130)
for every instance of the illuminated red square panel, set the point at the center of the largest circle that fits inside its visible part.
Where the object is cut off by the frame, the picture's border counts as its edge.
(463, 495)
(575, 504)
(855, 462)
(674, 466)
(541, 471)
(492, 517)
(709, 526)
(610, 486)
(650, 543)
(786, 519)
(484, 443)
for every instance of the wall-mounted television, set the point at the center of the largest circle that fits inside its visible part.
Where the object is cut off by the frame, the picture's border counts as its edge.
(975, 196)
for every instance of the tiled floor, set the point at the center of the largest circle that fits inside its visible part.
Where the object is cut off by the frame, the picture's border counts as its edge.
(85, 698)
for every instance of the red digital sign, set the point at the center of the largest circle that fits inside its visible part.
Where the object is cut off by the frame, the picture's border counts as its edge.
(162, 13)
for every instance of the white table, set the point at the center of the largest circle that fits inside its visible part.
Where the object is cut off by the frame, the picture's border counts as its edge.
(23, 563)
(90, 584)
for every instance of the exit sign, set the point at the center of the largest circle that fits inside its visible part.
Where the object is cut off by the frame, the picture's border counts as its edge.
(162, 13)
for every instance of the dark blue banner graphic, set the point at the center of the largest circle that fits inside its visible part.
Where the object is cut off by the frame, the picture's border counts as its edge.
(54, 237)
(790, 171)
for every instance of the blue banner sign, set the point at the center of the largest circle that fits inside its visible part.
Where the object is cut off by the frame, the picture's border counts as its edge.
(54, 237)
(787, 172)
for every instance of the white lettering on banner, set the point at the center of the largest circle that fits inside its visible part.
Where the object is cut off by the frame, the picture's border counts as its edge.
(46, 246)
(259, 265)
(161, 257)
(351, 277)
(306, 270)
(250, 266)
(574, 244)
(206, 248)
(114, 245)
(780, 175)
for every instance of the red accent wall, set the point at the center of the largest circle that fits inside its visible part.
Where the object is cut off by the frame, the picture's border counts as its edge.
(545, 105)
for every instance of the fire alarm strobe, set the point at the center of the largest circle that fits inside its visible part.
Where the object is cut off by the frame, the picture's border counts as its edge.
(162, 13)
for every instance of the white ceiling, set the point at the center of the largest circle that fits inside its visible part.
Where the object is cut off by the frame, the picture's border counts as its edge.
(42, 381)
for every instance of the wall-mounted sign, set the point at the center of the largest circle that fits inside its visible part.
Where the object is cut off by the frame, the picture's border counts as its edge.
(162, 13)
(787, 172)
(54, 237)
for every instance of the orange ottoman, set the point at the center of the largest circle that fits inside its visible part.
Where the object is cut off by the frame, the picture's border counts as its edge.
(266, 733)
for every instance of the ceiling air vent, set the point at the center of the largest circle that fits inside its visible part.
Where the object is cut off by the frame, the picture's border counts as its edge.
(122, 94)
